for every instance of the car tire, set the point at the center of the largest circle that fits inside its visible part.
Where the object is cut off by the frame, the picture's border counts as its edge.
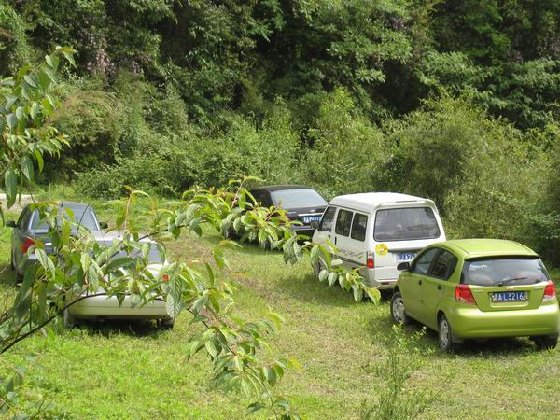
(398, 313)
(447, 341)
(545, 342)
(166, 323)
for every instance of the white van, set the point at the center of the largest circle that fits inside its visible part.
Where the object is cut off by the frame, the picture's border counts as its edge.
(376, 231)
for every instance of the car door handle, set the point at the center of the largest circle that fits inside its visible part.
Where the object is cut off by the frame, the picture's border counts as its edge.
(420, 282)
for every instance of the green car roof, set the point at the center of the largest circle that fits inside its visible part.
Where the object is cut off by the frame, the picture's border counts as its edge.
(479, 248)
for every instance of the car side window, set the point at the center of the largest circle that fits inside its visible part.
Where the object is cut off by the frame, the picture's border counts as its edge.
(422, 262)
(327, 220)
(262, 198)
(443, 266)
(343, 222)
(23, 221)
(359, 226)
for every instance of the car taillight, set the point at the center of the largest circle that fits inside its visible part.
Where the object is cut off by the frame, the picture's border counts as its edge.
(549, 291)
(26, 244)
(463, 294)
(370, 261)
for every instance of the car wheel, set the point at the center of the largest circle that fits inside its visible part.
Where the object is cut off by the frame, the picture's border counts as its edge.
(166, 323)
(545, 342)
(397, 309)
(447, 342)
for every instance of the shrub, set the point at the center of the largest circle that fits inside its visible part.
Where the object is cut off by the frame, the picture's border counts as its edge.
(478, 170)
(14, 50)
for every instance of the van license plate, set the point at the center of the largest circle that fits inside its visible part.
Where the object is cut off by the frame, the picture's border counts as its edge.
(517, 296)
(309, 219)
(405, 256)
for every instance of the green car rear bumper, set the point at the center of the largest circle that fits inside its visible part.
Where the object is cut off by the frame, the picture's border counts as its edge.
(471, 322)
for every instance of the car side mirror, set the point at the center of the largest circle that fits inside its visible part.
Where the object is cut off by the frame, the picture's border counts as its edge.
(103, 225)
(11, 223)
(404, 266)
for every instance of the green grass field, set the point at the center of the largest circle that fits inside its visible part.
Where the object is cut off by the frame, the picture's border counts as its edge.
(118, 370)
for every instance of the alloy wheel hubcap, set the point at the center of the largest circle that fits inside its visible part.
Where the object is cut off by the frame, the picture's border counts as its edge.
(398, 310)
(444, 333)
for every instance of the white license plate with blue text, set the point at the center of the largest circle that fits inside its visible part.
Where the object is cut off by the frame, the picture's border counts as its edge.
(405, 256)
(309, 219)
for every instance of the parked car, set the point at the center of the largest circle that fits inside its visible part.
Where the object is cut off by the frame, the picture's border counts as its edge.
(375, 231)
(303, 204)
(29, 228)
(477, 289)
(97, 305)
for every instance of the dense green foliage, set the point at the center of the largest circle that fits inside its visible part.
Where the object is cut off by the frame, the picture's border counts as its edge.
(454, 101)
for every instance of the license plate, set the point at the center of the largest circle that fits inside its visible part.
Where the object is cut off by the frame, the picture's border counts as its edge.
(517, 296)
(405, 256)
(309, 219)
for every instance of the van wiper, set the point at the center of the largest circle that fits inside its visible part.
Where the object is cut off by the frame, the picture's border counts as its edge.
(508, 280)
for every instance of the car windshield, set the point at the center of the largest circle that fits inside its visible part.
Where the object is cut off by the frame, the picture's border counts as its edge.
(296, 198)
(83, 216)
(504, 271)
(408, 223)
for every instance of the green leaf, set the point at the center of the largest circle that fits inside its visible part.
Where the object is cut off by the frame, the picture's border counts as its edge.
(11, 119)
(69, 56)
(45, 262)
(11, 186)
(314, 254)
(173, 306)
(44, 80)
(27, 168)
(333, 277)
(336, 262)
(10, 100)
(35, 110)
(211, 348)
(19, 113)
(254, 407)
(358, 293)
(85, 261)
(40, 161)
(30, 80)
(211, 276)
(53, 61)
(116, 263)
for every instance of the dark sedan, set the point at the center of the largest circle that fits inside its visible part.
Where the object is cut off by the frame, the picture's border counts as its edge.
(303, 204)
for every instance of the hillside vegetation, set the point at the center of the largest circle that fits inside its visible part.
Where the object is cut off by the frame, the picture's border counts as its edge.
(456, 101)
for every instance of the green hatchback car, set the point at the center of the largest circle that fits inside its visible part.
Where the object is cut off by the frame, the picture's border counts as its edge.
(477, 289)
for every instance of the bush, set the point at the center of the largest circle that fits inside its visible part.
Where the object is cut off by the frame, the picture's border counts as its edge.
(14, 50)
(479, 171)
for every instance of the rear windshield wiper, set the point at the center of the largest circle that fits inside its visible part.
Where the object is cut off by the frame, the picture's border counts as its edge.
(508, 280)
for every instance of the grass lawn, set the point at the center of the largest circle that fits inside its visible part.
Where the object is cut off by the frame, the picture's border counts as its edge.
(120, 370)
